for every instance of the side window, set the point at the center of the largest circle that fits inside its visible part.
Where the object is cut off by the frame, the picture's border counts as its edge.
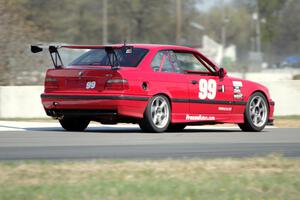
(212, 69)
(187, 61)
(156, 62)
(167, 65)
(165, 61)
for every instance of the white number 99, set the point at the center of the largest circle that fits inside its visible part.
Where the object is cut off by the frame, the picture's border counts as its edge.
(90, 85)
(207, 89)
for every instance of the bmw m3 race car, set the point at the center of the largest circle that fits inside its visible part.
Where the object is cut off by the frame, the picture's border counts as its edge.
(159, 87)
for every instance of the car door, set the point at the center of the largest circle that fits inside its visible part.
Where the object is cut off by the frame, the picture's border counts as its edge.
(209, 93)
(167, 78)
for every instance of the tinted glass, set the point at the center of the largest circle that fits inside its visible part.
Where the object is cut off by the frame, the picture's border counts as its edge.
(165, 61)
(188, 61)
(157, 61)
(100, 57)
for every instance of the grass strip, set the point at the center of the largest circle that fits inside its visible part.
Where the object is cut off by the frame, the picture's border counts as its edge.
(269, 178)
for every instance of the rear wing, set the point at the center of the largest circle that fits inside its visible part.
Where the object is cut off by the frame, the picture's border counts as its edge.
(54, 54)
(58, 63)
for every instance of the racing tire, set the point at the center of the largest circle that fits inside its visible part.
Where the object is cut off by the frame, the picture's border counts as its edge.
(157, 115)
(176, 127)
(74, 124)
(256, 113)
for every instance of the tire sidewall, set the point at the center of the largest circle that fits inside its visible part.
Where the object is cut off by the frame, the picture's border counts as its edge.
(74, 124)
(176, 127)
(148, 116)
(247, 112)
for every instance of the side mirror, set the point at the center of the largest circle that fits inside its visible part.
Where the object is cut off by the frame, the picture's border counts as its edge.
(222, 72)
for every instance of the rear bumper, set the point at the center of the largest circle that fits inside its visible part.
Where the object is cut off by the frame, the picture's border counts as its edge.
(94, 97)
(94, 105)
(82, 113)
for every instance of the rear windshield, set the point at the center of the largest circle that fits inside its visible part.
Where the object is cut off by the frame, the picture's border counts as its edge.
(99, 57)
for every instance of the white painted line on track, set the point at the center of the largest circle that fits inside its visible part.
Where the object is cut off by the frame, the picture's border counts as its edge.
(24, 126)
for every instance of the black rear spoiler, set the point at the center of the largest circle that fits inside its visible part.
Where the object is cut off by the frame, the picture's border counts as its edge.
(57, 61)
(53, 50)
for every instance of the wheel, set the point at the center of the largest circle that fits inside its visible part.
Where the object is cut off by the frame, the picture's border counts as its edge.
(74, 124)
(256, 113)
(157, 115)
(176, 127)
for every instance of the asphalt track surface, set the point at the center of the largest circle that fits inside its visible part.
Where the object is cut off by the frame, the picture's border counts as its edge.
(27, 141)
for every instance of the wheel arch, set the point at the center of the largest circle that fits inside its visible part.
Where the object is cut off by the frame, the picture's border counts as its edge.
(264, 94)
(146, 124)
(163, 94)
(246, 125)
(166, 95)
(266, 97)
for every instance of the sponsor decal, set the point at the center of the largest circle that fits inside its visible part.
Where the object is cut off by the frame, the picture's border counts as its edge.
(199, 117)
(237, 83)
(225, 108)
(129, 50)
(238, 96)
(237, 93)
(236, 90)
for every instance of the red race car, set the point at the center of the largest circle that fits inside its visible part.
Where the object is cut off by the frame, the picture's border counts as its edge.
(160, 87)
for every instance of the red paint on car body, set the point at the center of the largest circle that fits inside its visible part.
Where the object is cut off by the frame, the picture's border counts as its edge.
(131, 88)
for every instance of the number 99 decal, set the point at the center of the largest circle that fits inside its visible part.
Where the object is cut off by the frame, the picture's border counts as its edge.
(207, 89)
(90, 85)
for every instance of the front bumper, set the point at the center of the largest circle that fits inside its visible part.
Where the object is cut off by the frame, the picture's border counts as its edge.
(270, 122)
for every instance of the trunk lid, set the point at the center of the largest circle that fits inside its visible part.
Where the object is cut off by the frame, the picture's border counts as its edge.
(74, 79)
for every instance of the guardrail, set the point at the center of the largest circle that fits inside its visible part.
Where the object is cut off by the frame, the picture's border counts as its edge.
(21, 102)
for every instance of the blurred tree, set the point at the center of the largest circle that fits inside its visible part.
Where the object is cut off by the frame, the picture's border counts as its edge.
(280, 32)
(238, 27)
(147, 21)
(269, 12)
(143, 20)
(132, 20)
(23, 22)
(288, 34)
(68, 21)
(16, 34)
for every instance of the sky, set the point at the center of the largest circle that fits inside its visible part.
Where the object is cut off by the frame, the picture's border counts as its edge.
(207, 4)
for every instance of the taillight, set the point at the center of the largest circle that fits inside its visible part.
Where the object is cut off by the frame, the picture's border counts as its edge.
(116, 84)
(50, 84)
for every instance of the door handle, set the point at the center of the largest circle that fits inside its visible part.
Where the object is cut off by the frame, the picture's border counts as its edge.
(194, 82)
